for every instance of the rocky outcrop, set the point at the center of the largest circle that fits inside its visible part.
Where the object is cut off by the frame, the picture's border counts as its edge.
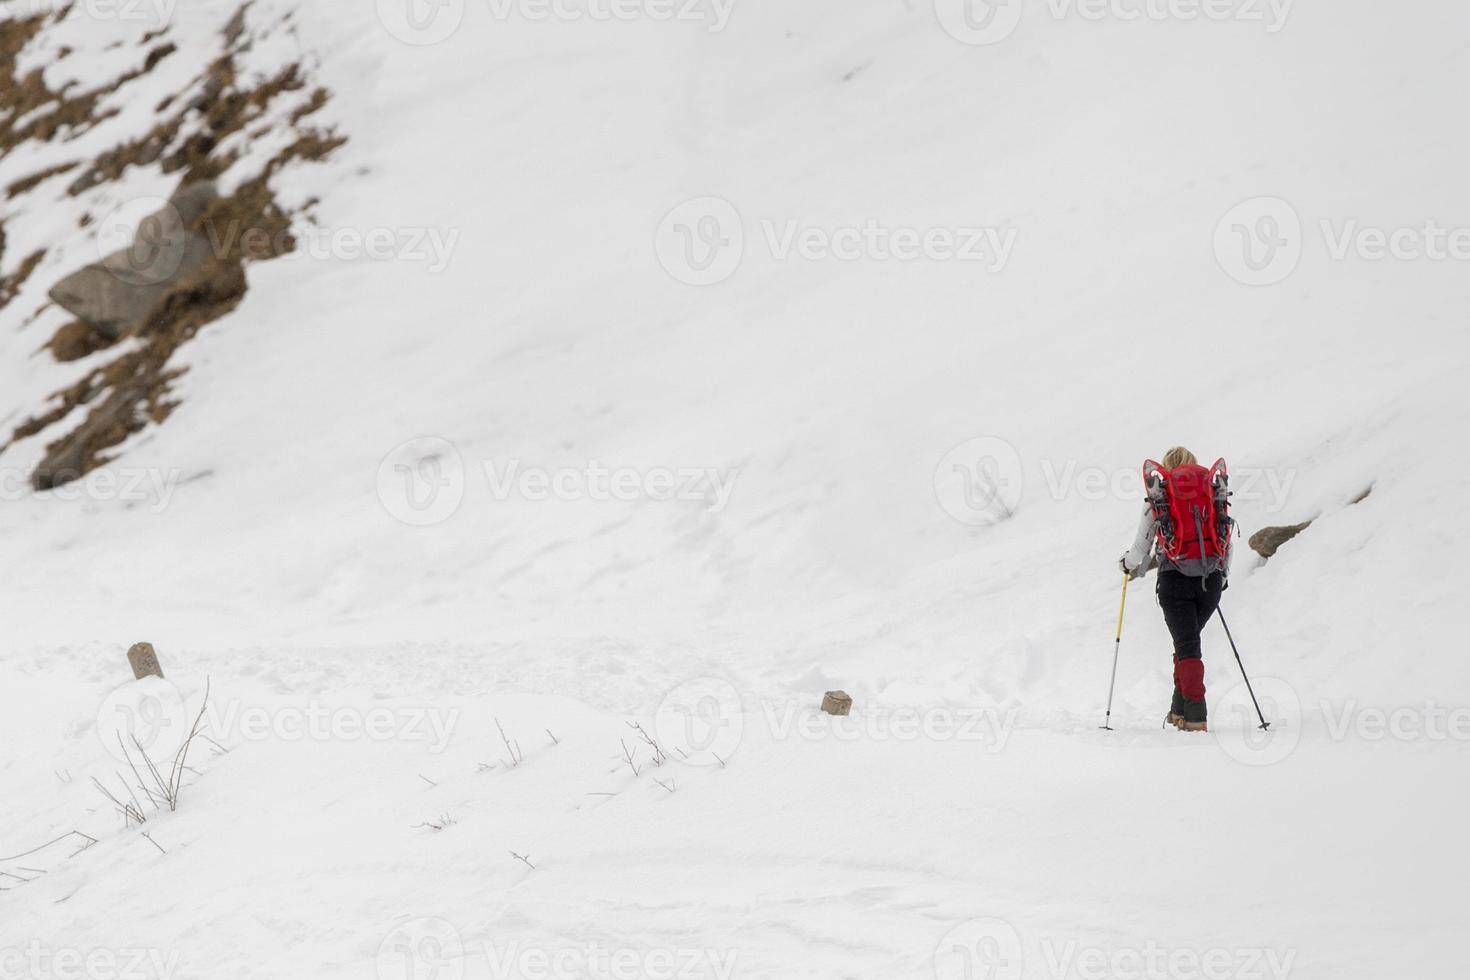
(185, 265)
(118, 295)
(1268, 540)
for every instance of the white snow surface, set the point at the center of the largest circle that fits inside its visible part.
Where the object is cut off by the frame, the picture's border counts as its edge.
(970, 819)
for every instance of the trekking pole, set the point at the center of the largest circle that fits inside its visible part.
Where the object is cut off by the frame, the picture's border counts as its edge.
(1265, 725)
(1117, 643)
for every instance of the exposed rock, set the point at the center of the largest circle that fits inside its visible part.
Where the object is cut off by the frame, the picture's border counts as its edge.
(144, 660)
(187, 269)
(837, 703)
(117, 295)
(1268, 540)
(139, 381)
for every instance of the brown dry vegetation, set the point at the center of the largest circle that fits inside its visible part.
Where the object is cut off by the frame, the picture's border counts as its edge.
(133, 390)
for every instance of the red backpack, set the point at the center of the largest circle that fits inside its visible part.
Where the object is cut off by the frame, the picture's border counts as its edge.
(1192, 507)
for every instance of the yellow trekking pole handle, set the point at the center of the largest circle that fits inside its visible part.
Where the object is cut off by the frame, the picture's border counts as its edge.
(1123, 602)
(1117, 644)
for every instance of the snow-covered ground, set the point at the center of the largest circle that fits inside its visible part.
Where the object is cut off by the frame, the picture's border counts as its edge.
(641, 417)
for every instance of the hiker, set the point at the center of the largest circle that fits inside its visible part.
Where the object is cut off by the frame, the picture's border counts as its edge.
(1186, 520)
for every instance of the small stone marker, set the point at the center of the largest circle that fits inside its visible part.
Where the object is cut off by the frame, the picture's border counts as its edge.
(836, 703)
(144, 661)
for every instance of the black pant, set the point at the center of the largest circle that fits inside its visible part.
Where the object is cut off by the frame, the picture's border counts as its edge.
(1188, 604)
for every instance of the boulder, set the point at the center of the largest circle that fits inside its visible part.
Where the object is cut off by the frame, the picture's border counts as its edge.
(837, 703)
(1268, 540)
(144, 661)
(116, 295)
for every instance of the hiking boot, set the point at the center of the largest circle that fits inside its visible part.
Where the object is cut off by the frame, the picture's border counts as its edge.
(1193, 726)
(1175, 719)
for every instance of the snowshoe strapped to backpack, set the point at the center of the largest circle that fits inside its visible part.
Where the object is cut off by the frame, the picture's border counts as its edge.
(1191, 505)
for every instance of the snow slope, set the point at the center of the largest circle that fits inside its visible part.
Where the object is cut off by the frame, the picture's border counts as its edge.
(284, 562)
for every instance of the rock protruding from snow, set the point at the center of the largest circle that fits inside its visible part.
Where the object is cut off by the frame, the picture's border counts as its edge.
(144, 661)
(837, 703)
(1268, 540)
(118, 294)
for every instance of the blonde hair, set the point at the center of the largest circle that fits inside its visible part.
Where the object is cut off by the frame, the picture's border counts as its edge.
(1177, 457)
